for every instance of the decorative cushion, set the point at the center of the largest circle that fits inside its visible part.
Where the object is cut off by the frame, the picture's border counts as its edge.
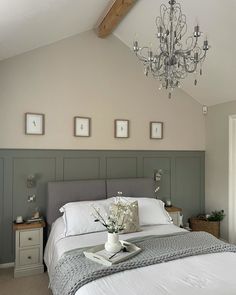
(129, 215)
(151, 211)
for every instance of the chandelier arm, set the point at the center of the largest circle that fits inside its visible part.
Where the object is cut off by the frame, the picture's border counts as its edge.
(162, 46)
(159, 61)
(192, 46)
(141, 56)
(163, 9)
(202, 58)
(186, 67)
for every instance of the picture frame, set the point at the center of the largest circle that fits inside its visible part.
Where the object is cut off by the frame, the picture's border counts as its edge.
(156, 130)
(121, 128)
(34, 124)
(82, 126)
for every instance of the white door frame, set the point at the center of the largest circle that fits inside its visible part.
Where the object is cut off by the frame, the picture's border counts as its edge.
(232, 179)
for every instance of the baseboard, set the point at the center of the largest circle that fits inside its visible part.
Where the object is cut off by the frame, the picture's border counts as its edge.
(7, 265)
(28, 271)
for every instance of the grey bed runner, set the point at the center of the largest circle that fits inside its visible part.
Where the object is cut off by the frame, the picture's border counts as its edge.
(74, 270)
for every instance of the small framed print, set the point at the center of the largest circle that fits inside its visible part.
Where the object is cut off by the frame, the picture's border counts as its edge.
(156, 130)
(34, 124)
(82, 126)
(121, 128)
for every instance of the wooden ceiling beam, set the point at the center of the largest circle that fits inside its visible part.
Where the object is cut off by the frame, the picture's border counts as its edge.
(115, 12)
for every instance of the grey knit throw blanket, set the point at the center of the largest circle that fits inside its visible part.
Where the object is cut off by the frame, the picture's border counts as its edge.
(74, 270)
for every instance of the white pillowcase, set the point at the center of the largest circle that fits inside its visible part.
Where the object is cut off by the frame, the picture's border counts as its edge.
(78, 217)
(151, 211)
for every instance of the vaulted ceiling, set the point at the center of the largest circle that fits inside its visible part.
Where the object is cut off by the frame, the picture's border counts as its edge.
(29, 24)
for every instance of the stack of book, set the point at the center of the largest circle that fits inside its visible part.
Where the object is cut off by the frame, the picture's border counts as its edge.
(32, 220)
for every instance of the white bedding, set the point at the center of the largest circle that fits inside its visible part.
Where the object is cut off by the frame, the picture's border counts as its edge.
(204, 274)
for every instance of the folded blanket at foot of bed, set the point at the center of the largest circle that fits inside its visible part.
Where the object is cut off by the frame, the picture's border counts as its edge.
(74, 270)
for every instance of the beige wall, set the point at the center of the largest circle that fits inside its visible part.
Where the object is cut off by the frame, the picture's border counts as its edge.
(102, 79)
(217, 152)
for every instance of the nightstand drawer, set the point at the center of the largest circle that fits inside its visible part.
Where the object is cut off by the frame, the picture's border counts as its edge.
(29, 238)
(29, 256)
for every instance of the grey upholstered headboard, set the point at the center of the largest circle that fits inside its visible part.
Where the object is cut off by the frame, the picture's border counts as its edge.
(60, 193)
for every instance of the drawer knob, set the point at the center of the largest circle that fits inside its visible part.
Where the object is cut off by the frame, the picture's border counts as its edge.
(30, 239)
(29, 257)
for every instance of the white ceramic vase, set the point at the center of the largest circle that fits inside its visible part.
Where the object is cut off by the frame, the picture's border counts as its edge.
(113, 244)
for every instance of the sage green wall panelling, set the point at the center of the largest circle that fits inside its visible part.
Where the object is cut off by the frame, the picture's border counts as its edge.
(182, 181)
(1, 205)
(85, 168)
(118, 167)
(187, 187)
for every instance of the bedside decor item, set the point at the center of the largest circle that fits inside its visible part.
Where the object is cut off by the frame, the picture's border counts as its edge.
(208, 222)
(176, 56)
(28, 249)
(216, 216)
(82, 126)
(35, 217)
(121, 128)
(156, 130)
(34, 124)
(19, 219)
(168, 203)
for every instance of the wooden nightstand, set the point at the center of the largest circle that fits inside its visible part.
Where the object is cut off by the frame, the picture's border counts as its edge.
(29, 249)
(175, 213)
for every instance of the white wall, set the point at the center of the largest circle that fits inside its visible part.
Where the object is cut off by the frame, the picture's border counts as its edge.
(102, 79)
(217, 163)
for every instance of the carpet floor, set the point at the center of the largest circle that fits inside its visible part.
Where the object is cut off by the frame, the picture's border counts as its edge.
(32, 285)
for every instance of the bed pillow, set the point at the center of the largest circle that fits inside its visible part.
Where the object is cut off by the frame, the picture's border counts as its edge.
(151, 211)
(78, 216)
(131, 219)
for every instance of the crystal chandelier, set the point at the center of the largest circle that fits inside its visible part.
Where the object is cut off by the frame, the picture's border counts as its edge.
(172, 61)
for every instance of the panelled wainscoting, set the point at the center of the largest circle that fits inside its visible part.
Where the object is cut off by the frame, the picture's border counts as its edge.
(182, 180)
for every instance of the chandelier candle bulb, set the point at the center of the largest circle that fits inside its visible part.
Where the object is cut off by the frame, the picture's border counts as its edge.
(197, 32)
(136, 48)
(205, 45)
(150, 55)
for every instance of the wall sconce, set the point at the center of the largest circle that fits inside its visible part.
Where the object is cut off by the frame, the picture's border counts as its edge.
(31, 199)
(31, 181)
(158, 174)
(157, 178)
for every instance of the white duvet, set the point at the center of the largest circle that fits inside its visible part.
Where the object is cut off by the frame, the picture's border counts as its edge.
(204, 274)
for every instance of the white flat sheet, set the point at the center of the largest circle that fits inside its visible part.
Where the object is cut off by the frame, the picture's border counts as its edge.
(204, 274)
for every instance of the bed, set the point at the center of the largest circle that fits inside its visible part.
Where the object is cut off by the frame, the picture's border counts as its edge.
(200, 274)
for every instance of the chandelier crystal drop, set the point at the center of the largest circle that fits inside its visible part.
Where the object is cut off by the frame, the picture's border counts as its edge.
(173, 60)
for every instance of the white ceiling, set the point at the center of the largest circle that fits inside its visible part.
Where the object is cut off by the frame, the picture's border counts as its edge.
(29, 24)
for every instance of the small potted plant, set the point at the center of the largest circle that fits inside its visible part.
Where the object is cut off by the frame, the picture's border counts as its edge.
(216, 216)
